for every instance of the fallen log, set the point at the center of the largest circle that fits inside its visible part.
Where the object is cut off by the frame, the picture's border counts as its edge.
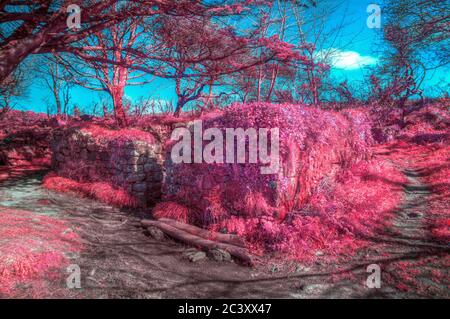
(196, 241)
(214, 236)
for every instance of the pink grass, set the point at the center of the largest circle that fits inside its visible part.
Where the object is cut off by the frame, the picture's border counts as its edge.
(104, 192)
(32, 252)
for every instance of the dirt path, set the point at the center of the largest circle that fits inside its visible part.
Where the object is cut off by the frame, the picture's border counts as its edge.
(414, 265)
(406, 256)
(121, 261)
(410, 218)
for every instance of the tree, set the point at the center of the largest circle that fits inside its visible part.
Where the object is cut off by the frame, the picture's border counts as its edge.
(13, 86)
(196, 53)
(418, 40)
(317, 36)
(40, 27)
(112, 44)
(36, 27)
(31, 27)
(298, 31)
(57, 81)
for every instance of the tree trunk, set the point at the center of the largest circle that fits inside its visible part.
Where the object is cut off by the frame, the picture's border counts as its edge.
(179, 108)
(272, 82)
(197, 241)
(119, 112)
(15, 52)
(58, 105)
(258, 93)
(214, 236)
(56, 91)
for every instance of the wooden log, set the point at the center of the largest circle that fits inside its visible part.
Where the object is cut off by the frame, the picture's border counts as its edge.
(200, 242)
(214, 236)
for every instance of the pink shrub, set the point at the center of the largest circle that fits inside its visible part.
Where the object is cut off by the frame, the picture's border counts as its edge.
(338, 219)
(435, 168)
(314, 144)
(171, 210)
(327, 196)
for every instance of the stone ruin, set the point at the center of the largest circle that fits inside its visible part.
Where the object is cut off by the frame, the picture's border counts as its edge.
(135, 166)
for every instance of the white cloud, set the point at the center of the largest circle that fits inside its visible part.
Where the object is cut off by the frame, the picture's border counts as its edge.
(347, 60)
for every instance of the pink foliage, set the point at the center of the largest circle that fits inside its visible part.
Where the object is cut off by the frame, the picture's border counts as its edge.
(325, 195)
(120, 136)
(32, 252)
(435, 167)
(281, 50)
(423, 146)
(99, 190)
(429, 124)
(338, 219)
(313, 144)
(173, 211)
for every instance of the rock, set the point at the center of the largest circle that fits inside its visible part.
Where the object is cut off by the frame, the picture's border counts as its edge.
(315, 289)
(195, 255)
(139, 169)
(156, 233)
(156, 148)
(84, 154)
(142, 160)
(91, 147)
(302, 269)
(140, 187)
(219, 255)
(151, 167)
(135, 178)
(319, 253)
(132, 153)
(156, 177)
(140, 197)
(132, 161)
(127, 168)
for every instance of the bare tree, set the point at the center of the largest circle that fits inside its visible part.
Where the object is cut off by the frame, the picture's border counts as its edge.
(113, 44)
(196, 53)
(57, 81)
(13, 86)
(418, 40)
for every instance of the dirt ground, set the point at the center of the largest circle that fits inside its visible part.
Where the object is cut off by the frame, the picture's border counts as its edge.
(121, 261)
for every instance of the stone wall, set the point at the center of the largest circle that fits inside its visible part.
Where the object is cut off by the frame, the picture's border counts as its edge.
(315, 146)
(130, 164)
(25, 147)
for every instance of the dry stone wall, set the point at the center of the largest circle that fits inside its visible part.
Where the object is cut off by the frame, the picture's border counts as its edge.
(131, 165)
(25, 147)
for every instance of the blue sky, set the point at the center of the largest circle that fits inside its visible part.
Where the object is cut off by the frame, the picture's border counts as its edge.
(356, 49)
